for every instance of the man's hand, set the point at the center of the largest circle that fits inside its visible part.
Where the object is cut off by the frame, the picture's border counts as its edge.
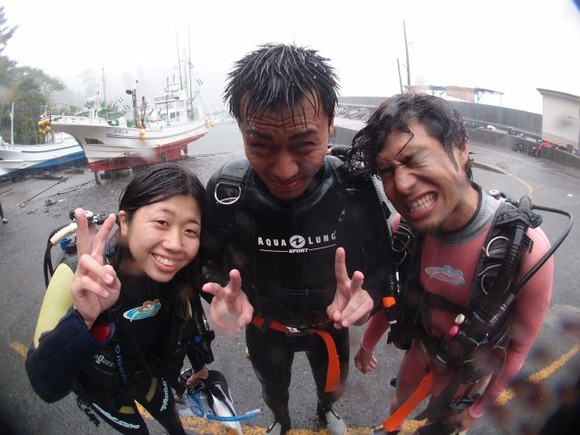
(230, 309)
(365, 361)
(95, 286)
(352, 304)
(461, 421)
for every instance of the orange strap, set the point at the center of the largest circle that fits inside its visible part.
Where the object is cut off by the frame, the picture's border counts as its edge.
(333, 371)
(396, 419)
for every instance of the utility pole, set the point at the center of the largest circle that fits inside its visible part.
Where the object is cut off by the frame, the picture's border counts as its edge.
(407, 55)
(400, 79)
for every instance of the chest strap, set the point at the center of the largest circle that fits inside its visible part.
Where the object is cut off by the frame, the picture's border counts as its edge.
(333, 371)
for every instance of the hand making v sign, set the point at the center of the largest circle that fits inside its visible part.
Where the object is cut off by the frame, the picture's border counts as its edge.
(95, 286)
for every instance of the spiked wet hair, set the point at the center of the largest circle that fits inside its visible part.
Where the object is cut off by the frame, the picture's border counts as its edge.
(277, 76)
(438, 117)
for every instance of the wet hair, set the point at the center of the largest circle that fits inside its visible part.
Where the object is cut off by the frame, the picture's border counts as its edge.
(439, 118)
(159, 182)
(278, 76)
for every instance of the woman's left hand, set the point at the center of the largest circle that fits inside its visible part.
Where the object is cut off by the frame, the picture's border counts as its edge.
(200, 374)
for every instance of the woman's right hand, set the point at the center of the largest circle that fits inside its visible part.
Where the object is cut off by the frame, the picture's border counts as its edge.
(95, 286)
(365, 361)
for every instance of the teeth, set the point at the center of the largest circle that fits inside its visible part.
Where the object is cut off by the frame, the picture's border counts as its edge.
(164, 260)
(422, 203)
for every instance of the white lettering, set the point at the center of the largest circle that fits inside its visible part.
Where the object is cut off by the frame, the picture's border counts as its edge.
(115, 419)
(166, 395)
(297, 242)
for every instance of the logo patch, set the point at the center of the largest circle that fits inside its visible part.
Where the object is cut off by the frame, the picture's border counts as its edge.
(148, 309)
(446, 274)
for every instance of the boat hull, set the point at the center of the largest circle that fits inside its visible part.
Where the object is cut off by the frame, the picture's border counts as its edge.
(110, 147)
(21, 160)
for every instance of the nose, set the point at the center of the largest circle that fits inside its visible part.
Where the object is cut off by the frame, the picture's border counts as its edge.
(404, 180)
(285, 167)
(172, 240)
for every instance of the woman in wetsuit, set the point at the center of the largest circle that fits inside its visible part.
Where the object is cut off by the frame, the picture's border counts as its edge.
(133, 306)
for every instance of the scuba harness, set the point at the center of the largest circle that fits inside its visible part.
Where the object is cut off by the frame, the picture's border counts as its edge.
(230, 193)
(481, 329)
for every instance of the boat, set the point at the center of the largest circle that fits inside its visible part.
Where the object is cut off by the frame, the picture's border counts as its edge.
(59, 152)
(155, 135)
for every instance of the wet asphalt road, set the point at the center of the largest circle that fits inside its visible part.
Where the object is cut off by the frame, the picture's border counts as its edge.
(35, 207)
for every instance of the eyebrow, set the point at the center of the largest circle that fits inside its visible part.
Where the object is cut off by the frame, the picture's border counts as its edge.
(297, 135)
(174, 213)
(411, 136)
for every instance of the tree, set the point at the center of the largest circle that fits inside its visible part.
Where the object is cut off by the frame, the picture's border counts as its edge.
(27, 87)
(28, 101)
(5, 32)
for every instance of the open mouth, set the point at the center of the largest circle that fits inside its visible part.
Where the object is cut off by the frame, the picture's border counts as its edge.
(422, 203)
(164, 261)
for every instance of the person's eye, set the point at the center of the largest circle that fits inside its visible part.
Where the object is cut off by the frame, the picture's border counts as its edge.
(385, 171)
(161, 222)
(192, 232)
(259, 146)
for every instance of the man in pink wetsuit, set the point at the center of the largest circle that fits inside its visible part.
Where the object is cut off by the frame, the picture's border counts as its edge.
(417, 144)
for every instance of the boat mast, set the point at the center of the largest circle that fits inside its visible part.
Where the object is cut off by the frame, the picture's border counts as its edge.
(104, 104)
(12, 125)
(179, 64)
(190, 83)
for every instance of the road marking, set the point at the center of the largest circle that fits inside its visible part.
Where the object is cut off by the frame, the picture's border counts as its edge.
(201, 425)
(508, 174)
(19, 348)
(539, 376)
(553, 171)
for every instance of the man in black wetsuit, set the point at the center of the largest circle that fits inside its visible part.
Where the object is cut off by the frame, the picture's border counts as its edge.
(297, 246)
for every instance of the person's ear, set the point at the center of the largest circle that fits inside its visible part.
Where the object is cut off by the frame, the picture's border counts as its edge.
(462, 156)
(123, 223)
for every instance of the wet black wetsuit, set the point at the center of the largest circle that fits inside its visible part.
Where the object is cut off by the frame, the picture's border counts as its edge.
(133, 352)
(285, 253)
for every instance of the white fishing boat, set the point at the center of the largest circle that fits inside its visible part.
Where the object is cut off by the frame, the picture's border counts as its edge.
(60, 151)
(161, 133)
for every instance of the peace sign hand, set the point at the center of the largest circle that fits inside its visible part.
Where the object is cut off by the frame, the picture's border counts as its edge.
(95, 286)
(352, 304)
(230, 308)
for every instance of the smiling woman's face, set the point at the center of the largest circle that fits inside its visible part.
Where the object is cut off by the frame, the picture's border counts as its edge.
(163, 237)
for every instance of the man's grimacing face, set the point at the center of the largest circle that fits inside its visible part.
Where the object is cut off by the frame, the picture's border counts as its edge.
(422, 182)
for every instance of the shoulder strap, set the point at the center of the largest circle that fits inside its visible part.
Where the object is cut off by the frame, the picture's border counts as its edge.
(500, 257)
(227, 191)
(493, 289)
(228, 187)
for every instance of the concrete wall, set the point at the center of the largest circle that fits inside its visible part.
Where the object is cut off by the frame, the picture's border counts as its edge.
(344, 136)
(526, 122)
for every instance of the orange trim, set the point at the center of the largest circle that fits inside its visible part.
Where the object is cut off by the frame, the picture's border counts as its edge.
(396, 419)
(389, 301)
(333, 371)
